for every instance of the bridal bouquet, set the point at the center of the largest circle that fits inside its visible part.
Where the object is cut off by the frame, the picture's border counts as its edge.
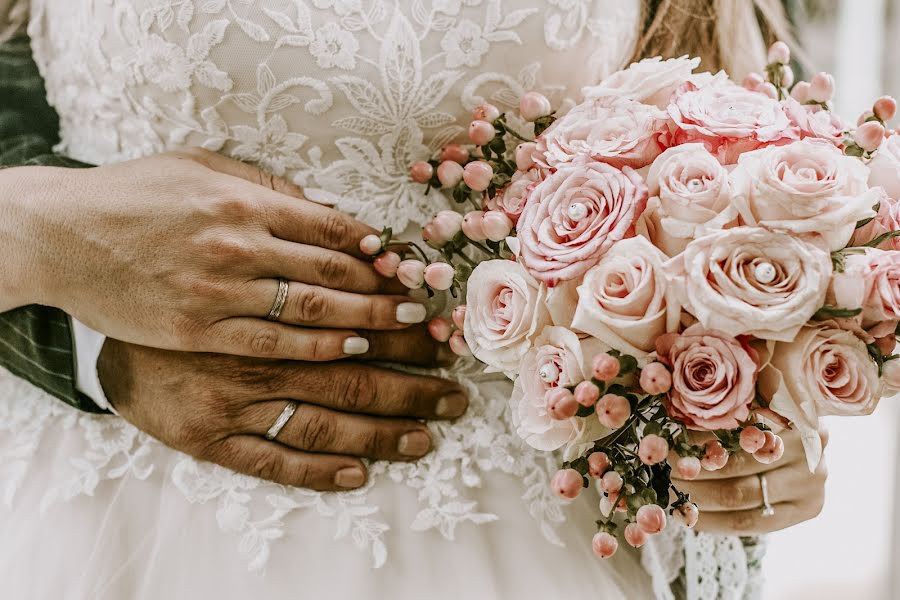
(678, 253)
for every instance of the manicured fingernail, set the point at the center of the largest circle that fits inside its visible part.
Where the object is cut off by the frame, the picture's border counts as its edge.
(445, 356)
(451, 405)
(414, 443)
(351, 477)
(411, 312)
(356, 345)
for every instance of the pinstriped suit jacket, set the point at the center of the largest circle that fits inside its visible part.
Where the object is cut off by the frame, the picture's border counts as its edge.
(35, 341)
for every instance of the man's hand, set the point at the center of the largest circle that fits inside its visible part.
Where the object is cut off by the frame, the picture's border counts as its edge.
(730, 500)
(218, 407)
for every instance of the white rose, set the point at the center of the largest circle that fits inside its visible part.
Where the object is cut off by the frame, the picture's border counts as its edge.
(651, 81)
(804, 187)
(505, 311)
(885, 167)
(622, 301)
(749, 280)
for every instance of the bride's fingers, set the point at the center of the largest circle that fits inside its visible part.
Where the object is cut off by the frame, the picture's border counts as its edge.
(235, 168)
(742, 493)
(752, 521)
(309, 223)
(259, 338)
(315, 306)
(255, 456)
(413, 346)
(316, 429)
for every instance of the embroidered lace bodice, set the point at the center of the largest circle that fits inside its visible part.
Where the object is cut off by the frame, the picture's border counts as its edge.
(339, 96)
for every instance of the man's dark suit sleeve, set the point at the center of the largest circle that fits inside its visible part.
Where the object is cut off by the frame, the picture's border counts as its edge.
(35, 341)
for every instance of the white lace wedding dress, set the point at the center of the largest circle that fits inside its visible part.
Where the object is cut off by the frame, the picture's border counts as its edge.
(340, 96)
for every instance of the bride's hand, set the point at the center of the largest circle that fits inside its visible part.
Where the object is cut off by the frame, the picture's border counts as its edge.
(184, 251)
(218, 408)
(730, 500)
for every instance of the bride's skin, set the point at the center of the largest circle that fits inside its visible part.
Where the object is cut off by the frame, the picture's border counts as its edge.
(121, 267)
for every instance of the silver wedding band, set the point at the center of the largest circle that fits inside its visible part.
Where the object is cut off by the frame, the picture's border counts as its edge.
(767, 509)
(282, 420)
(280, 299)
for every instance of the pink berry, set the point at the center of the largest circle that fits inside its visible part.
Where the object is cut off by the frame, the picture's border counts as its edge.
(386, 264)
(598, 464)
(656, 379)
(481, 133)
(473, 226)
(716, 456)
(439, 276)
(800, 92)
(533, 106)
(486, 112)
(459, 316)
(869, 135)
(787, 76)
(752, 439)
(421, 172)
(687, 514)
(651, 518)
(653, 449)
(688, 467)
(885, 108)
(821, 87)
(586, 393)
(561, 404)
(611, 483)
(496, 225)
(567, 483)
(769, 90)
(752, 81)
(604, 544)
(454, 153)
(635, 536)
(370, 245)
(450, 173)
(779, 52)
(447, 225)
(613, 410)
(440, 329)
(771, 451)
(478, 174)
(525, 155)
(458, 344)
(411, 273)
(606, 367)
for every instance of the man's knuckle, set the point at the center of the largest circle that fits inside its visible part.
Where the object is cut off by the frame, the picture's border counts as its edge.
(334, 230)
(268, 466)
(358, 391)
(265, 342)
(311, 304)
(319, 431)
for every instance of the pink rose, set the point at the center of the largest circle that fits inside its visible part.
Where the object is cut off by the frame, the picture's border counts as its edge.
(816, 122)
(804, 187)
(616, 131)
(690, 194)
(505, 310)
(651, 81)
(824, 371)
(573, 217)
(558, 358)
(887, 219)
(622, 300)
(727, 118)
(870, 281)
(885, 167)
(713, 378)
(751, 281)
(511, 199)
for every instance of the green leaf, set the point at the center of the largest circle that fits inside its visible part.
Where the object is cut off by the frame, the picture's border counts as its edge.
(882, 238)
(584, 411)
(833, 312)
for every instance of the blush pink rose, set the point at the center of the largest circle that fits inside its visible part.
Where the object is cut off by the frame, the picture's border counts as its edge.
(651, 81)
(727, 118)
(713, 378)
(558, 359)
(887, 219)
(752, 281)
(804, 187)
(616, 131)
(816, 122)
(505, 310)
(575, 215)
(870, 281)
(885, 167)
(511, 199)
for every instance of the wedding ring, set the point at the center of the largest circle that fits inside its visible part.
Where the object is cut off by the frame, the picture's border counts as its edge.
(767, 509)
(281, 421)
(280, 299)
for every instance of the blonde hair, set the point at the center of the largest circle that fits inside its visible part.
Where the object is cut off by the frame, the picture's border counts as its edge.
(726, 34)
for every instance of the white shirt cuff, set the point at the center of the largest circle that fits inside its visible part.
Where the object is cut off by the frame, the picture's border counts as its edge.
(88, 344)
